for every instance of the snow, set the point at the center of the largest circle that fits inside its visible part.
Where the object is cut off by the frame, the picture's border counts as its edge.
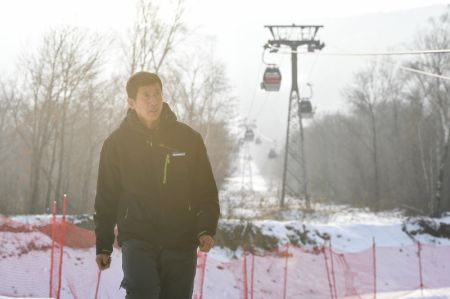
(25, 256)
(21, 270)
(36, 220)
(427, 294)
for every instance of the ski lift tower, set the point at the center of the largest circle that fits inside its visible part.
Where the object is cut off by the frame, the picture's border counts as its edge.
(294, 37)
(246, 158)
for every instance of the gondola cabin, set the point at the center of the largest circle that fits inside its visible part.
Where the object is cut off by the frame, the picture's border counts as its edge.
(271, 79)
(249, 135)
(272, 154)
(306, 109)
(241, 142)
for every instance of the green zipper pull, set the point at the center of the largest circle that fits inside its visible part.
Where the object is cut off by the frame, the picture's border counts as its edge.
(166, 164)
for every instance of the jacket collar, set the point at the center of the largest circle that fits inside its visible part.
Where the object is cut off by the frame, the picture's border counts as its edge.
(167, 119)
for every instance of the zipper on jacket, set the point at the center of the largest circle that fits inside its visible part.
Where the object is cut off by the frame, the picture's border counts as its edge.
(150, 142)
(166, 165)
(189, 206)
(126, 214)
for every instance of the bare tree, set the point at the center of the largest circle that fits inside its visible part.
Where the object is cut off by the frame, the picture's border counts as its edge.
(366, 96)
(65, 103)
(199, 92)
(152, 38)
(9, 98)
(436, 92)
(103, 108)
(11, 164)
(55, 74)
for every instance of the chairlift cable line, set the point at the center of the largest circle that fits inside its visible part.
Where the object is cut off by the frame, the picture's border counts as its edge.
(417, 71)
(264, 136)
(409, 69)
(308, 77)
(387, 53)
(262, 106)
(254, 93)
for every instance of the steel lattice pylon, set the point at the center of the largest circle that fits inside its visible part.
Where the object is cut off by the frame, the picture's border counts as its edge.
(246, 169)
(295, 176)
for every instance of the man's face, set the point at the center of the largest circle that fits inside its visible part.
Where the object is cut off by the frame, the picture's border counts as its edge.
(148, 104)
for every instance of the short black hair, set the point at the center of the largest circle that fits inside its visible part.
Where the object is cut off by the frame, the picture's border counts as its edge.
(140, 79)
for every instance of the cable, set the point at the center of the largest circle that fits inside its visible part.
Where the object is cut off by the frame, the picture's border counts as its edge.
(395, 53)
(264, 136)
(409, 69)
(423, 72)
(312, 68)
(262, 106)
(263, 60)
(414, 52)
(254, 92)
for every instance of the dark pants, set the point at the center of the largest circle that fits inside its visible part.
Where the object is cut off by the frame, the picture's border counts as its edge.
(151, 272)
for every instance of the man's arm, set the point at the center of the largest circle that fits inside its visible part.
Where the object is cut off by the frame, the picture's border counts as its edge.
(206, 198)
(106, 199)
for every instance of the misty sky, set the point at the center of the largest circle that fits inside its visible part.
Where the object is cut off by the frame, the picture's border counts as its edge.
(237, 28)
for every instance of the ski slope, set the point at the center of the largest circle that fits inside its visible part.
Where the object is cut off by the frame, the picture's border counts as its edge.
(25, 256)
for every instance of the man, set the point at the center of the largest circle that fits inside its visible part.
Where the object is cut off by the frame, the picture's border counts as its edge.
(155, 182)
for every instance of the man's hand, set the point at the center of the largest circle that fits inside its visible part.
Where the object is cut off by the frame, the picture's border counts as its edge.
(103, 261)
(206, 242)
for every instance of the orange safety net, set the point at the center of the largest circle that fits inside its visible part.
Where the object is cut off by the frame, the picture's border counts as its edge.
(28, 269)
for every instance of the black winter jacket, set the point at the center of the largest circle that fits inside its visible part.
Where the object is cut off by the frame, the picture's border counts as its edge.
(156, 185)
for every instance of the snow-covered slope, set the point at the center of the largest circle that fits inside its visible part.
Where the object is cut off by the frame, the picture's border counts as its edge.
(406, 251)
(24, 268)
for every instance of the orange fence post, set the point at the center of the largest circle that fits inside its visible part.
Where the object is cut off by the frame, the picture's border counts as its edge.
(328, 272)
(374, 268)
(252, 273)
(50, 291)
(202, 281)
(63, 227)
(332, 271)
(286, 271)
(419, 249)
(99, 276)
(244, 270)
